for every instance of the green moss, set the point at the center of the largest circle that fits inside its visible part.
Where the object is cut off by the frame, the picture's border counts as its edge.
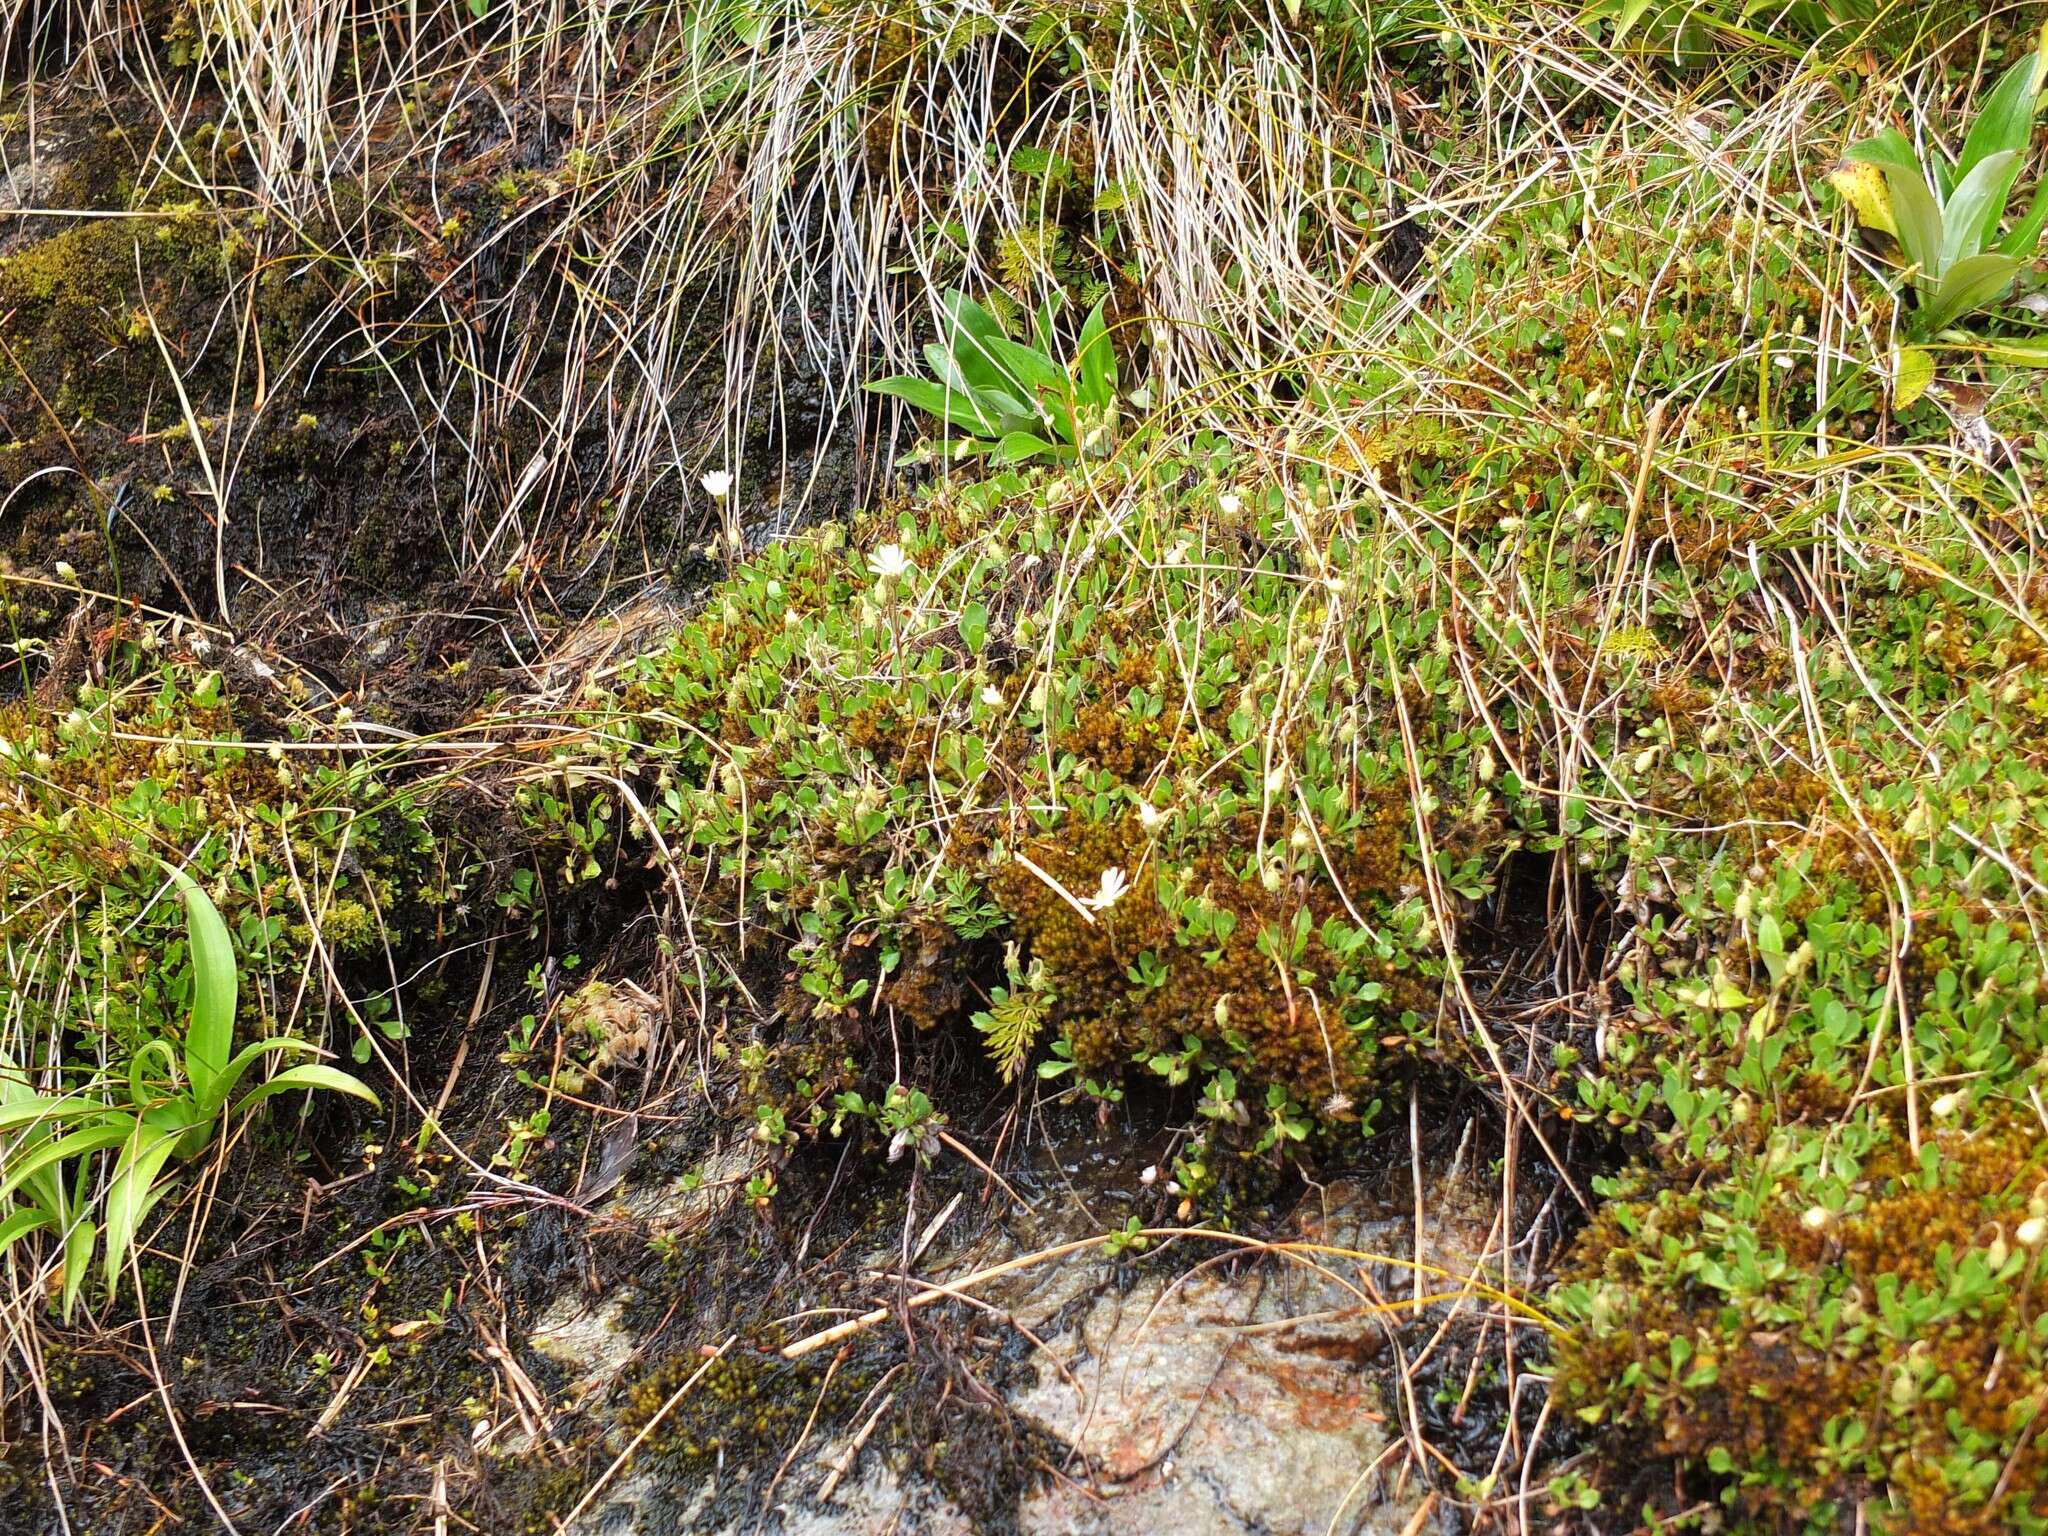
(291, 844)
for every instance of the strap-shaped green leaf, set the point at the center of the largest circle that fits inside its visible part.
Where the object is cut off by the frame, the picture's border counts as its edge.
(2004, 126)
(1918, 216)
(308, 1075)
(40, 1110)
(1962, 221)
(143, 1156)
(2031, 352)
(956, 410)
(79, 1243)
(242, 1061)
(23, 1166)
(1969, 285)
(969, 330)
(1019, 446)
(1888, 149)
(21, 1223)
(1097, 361)
(2025, 236)
(211, 1032)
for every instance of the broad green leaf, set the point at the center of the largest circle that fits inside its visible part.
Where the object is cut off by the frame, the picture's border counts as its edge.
(1019, 446)
(1888, 150)
(211, 1032)
(1968, 286)
(945, 369)
(1918, 216)
(969, 331)
(1631, 12)
(956, 410)
(2031, 353)
(1911, 375)
(1029, 367)
(974, 627)
(308, 1076)
(1096, 361)
(1962, 220)
(2004, 126)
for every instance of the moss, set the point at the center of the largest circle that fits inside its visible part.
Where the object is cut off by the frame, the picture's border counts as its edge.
(1811, 1355)
(295, 845)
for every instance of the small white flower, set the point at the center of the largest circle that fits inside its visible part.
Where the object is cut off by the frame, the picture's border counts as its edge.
(1149, 815)
(2031, 1231)
(1114, 884)
(717, 483)
(65, 571)
(992, 696)
(1150, 1175)
(1816, 1218)
(344, 715)
(889, 562)
(1947, 1104)
(1228, 503)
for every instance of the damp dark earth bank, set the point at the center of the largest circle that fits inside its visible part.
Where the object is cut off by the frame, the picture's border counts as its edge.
(1020, 766)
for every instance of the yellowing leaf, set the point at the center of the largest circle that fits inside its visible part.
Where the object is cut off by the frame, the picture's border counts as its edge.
(1863, 189)
(1912, 372)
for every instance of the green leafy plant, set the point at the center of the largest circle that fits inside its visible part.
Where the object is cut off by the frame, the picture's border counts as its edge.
(176, 1101)
(1016, 402)
(1015, 1015)
(1948, 219)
